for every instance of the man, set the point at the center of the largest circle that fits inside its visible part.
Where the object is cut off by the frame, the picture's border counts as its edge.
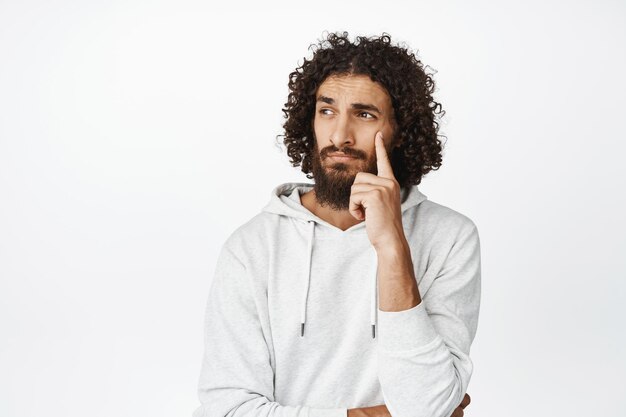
(286, 327)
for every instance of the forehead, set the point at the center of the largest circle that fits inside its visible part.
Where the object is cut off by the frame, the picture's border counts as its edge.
(354, 88)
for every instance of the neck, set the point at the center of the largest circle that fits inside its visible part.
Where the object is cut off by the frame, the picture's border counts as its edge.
(341, 219)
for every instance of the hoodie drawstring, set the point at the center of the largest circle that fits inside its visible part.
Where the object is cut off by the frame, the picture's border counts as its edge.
(305, 297)
(374, 296)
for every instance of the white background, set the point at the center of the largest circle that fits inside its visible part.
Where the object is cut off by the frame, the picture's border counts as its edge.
(136, 136)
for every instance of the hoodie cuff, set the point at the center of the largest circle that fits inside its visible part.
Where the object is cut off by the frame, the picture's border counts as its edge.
(405, 330)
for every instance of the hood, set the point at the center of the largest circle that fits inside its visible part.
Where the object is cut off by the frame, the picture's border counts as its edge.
(285, 201)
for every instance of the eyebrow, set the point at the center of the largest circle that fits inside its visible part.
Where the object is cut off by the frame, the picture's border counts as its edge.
(358, 106)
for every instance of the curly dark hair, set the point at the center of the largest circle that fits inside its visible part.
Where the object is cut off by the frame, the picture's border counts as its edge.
(400, 73)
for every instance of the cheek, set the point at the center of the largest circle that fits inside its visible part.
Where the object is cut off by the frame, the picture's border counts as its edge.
(316, 127)
(388, 126)
(321, 131)
(387, 130)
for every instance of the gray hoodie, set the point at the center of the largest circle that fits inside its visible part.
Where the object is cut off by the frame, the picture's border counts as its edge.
(293, 329)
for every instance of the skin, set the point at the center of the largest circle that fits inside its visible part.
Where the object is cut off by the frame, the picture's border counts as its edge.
(366, 134)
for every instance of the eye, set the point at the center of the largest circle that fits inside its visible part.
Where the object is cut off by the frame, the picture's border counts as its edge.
(369, 114)
(321, 111)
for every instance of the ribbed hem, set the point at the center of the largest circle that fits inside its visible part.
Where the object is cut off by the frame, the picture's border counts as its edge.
(328, 412)
(405, 330)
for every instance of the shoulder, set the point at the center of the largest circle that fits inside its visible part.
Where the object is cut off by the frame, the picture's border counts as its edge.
(442, 219)
(251, 237)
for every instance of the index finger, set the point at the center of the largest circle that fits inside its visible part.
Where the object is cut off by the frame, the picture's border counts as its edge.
(382, 159)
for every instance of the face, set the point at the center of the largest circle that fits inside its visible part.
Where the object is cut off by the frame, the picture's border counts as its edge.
(349, 111)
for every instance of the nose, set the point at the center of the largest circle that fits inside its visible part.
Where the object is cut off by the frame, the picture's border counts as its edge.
(343, 134)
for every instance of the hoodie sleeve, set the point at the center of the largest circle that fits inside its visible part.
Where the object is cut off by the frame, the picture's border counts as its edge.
(236, 378)
(424, 363)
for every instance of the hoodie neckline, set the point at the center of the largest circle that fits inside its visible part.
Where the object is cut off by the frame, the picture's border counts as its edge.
(295, 194)
(285, 200)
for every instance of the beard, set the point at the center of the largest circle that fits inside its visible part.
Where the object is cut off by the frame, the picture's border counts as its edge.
(333, 180)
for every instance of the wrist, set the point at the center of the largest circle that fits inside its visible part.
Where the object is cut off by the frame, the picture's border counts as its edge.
(392, 248)
(394, 239)
(396, 261)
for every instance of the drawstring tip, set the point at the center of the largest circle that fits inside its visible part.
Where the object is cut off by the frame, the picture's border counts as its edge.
(301, 329)
(373, 331)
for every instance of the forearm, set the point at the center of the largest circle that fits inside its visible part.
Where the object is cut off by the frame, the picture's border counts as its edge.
(397, 285)
(427, 346)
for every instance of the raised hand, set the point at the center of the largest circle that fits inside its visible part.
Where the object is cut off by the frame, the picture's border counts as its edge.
(376, 199)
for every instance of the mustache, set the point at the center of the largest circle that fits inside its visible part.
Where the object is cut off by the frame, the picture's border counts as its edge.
(347, 151)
